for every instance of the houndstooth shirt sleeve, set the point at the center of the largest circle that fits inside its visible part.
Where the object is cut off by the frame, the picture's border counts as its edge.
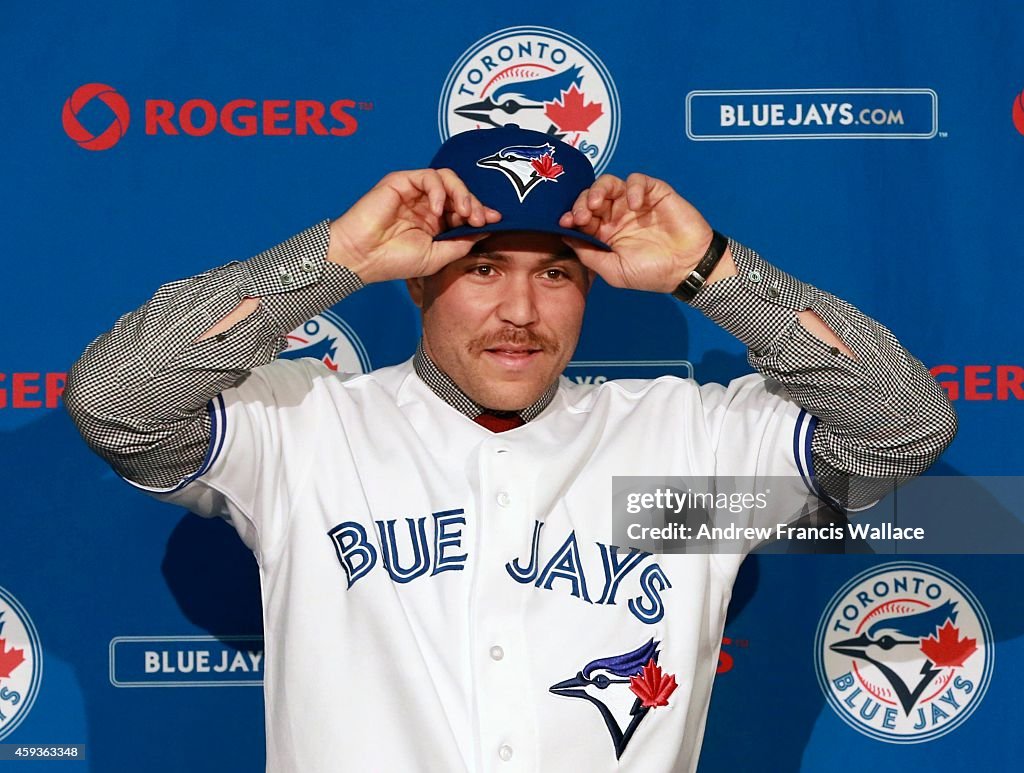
(139, 394)
(882, 418)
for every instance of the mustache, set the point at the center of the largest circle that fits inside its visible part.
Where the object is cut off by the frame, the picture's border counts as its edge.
(518, 337)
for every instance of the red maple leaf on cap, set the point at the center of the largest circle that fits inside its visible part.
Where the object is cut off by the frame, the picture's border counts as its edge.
(546, 166)
(10, 659)
(948, 649)
(569, 113)
(652, 686)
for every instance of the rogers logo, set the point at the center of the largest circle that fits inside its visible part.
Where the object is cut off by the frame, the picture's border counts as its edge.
(31, 390)
(979, 382)
(247, 117)
(115, 130)
(1018, 112)
(201, 117)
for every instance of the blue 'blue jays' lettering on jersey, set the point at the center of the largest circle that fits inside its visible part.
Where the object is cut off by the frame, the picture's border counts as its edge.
(562, 571)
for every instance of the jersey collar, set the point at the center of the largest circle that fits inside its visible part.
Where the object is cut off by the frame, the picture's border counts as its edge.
(443, 386)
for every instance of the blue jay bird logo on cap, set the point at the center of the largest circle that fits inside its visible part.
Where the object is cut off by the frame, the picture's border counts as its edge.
(623, 688)
(526, 166)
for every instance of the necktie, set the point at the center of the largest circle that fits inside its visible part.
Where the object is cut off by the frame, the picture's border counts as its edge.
(499, 422)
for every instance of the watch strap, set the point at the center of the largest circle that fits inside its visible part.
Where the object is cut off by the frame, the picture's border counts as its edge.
(687, 289)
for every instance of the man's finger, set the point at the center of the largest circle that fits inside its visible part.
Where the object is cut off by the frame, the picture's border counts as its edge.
(461, 199)
(604, 205)
(583, 221)
(638, 187)
(453, 220)
(429, 183)
(606, 187)
(466, 203)
(449, 250)
(578, 213)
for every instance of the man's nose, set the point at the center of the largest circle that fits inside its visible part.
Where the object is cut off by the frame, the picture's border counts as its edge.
(518, 303)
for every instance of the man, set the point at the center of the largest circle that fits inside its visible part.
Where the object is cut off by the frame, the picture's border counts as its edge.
(440, 586)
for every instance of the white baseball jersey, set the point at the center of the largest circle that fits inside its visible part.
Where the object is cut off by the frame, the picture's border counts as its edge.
(438, 597)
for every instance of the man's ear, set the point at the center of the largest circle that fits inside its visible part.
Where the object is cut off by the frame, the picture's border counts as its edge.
(415, 287)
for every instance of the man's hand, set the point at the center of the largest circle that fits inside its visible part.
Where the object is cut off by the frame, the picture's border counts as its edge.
(389, 233)
(657, 237)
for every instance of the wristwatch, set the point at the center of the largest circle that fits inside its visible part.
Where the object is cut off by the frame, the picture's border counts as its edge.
(689, 287)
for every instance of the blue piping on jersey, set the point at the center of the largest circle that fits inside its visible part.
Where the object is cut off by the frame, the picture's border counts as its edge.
(806, 423)
(218, 432)
(803, 431)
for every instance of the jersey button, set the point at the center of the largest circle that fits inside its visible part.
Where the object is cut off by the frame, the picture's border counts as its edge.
(505, 752)
(504, 498)
(497, 653)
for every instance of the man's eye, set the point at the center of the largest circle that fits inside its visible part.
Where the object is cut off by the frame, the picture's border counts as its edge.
(482, 270)
(555, 273)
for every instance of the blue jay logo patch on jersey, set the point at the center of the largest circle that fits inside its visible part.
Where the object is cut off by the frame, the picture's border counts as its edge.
(525, 166)
(904, 652)
(623, 688)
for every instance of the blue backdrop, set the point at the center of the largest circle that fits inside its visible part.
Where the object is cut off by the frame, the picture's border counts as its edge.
(872, 149)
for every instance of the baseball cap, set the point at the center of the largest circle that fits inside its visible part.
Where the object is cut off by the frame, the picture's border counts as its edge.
(530, 177)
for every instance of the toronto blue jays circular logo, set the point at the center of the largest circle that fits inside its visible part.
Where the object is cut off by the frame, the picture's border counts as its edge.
(904, 652)
(330, 339)
(539, 79)
(21, 663)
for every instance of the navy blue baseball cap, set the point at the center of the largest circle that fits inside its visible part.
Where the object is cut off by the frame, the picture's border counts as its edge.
(531, 178)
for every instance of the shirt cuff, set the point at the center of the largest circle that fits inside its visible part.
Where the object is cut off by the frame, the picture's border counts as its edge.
(758, 305)
(296, 281)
